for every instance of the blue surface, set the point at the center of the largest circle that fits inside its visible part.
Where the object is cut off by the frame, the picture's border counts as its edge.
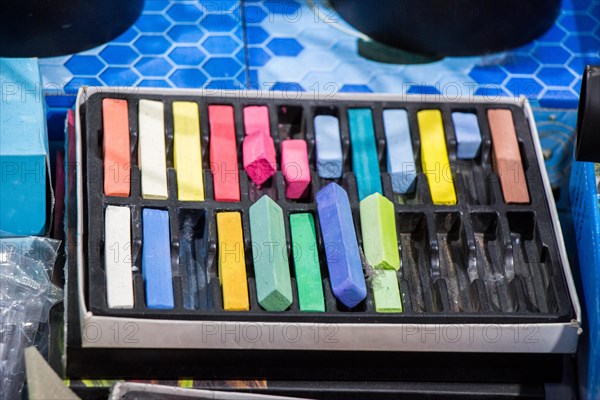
(23, 149)
(282, 45)
(468, 135)
(365, 164)
(586, 218)
(329, 147)
(329, 57)
(400, 156)
(156, 259)
(341, 247)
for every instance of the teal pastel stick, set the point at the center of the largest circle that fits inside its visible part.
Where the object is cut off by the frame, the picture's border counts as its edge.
(269, 250)
(365, 163)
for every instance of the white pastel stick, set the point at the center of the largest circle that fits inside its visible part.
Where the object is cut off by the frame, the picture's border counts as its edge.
(117, 257)
(151, 149)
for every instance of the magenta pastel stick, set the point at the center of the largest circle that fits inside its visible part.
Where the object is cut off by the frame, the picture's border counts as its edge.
(259, 157)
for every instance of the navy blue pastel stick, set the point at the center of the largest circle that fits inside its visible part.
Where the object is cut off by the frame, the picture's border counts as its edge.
(341, 247)
(156, 259)
(192, 265)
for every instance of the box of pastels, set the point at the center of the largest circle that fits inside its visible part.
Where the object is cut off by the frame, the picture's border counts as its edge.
(248, 223)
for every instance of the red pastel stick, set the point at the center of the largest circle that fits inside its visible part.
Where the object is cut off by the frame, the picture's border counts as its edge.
(223, 154)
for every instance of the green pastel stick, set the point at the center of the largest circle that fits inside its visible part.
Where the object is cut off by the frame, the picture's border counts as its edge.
(386, 291)
(306, 263)
(378, 225)
(271, 268)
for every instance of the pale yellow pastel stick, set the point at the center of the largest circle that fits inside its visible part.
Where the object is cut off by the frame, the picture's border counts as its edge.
(187, 151)
(434, 157)
(151, 150)
(232, 264)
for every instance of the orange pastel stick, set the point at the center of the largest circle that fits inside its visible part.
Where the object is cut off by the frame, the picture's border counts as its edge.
(115, 118)
(506, 157)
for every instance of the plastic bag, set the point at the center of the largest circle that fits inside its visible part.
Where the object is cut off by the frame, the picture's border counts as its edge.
(26, 295)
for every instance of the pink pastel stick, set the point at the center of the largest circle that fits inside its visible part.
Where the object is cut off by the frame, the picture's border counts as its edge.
(258, 148)
(294, 165)
(256, 120)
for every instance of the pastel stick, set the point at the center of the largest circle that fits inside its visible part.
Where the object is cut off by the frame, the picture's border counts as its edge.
(269, 246)
(365, 163)
(400, 156)
(258, 147)
(468, 135)
(187, 151)
(256, 120)
(192, 262)
(380, 239)
(434, 157)
(506, 157)
(223, 153)
(306, 263)
(341, 246)
(151, 149)
(232, 262)
(329, 147)
(115, 143)
(294, 165)
(117, 257)
(380, 245)
(386, 291)
(156, 259)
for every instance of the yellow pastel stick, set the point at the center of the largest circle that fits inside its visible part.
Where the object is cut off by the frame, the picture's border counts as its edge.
(434, 157)
(187, 151)
(232, 264)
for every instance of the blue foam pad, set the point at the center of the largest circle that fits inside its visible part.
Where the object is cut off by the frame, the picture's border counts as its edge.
(156, 259)
(400, 156)
(341, 247)
(23, 149)
(329, 147)
(365, 163)
(468, 135)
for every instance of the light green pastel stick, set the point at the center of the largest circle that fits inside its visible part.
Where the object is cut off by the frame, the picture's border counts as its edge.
(380, 245)
(380, 240)
(386, 291)
(306, 263)
(271, 268)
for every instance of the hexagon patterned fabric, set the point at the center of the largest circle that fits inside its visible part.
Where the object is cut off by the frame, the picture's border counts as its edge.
(285, 45)
(291, 45)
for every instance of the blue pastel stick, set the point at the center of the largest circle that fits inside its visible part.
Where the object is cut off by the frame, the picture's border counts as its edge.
(364, 152)
(329, 147)
(341, 247)
(468, 135)
(400, 156)
(156, 259)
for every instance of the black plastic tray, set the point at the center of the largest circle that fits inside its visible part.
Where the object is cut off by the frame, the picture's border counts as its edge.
(438, 243)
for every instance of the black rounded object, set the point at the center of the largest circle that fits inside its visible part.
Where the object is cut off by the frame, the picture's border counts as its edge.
(46, 28)
(450, 27)
(587, 146)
